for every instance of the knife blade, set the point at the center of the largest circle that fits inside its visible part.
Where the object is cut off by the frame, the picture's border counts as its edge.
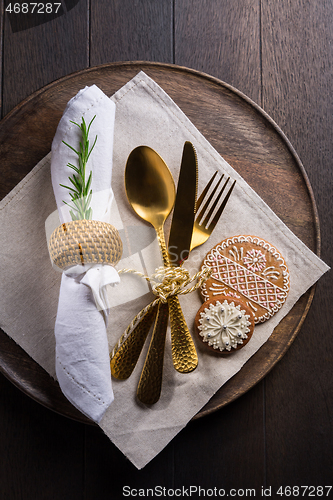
(184, 209)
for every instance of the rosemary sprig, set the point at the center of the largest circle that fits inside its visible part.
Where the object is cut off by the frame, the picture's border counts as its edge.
(80, 190)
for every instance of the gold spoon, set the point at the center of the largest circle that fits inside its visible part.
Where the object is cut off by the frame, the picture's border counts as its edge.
(150, 190)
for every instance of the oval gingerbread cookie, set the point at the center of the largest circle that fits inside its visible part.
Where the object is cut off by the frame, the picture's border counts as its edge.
(251, 269)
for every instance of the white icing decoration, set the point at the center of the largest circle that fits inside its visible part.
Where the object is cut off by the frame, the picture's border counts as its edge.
(258, 289)
(271, 273)
(255, 260)
(224, 326)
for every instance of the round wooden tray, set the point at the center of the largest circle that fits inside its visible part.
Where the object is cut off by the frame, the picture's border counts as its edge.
(236, 127)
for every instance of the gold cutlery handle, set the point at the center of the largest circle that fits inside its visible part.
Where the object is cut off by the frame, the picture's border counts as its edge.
(150, 383)
(162, 244)
(125, 358)
(184, 354)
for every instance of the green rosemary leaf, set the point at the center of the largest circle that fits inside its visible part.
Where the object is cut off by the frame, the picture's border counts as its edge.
(67, 187)
(90, 124)
(73, 215)
(71, 147)
(88, 184)
(74, 196)
(74, 123)
(83, 126)
(92, 147)
(88, 198)
(77, 203)
(76, 183)
(70, 165)
(69, 205)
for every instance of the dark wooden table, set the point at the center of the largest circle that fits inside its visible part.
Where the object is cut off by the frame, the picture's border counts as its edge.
(280, 433)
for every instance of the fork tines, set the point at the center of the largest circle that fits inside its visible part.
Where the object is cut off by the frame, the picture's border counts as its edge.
(212, 208)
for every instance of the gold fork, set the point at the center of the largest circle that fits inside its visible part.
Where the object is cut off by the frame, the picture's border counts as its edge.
(125, 354)
(204, 224)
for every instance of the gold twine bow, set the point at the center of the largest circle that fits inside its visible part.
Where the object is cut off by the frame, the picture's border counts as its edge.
(165, 282)
(170, 281)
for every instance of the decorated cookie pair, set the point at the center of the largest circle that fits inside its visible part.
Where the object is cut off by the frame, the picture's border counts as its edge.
(249, 283)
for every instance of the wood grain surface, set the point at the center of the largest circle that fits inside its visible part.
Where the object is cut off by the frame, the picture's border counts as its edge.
(280, 432)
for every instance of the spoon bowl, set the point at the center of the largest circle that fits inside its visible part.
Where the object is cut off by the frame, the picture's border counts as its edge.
(149, 185)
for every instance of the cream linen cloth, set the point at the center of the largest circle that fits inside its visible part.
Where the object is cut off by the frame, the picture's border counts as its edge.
(145, 114)
(82, 354)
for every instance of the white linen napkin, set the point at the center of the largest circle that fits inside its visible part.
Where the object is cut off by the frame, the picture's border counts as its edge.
(82, 354)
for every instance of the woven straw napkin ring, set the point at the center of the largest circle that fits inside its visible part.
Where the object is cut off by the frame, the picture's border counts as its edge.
(85, 242)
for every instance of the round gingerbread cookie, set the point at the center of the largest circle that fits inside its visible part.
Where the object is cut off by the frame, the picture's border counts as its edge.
(251, 269)
(225, 324)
